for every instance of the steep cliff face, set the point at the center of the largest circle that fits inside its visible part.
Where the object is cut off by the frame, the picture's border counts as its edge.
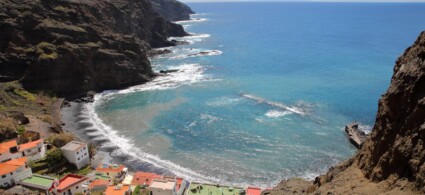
(396, 147)
(172, 10)
(73, 46)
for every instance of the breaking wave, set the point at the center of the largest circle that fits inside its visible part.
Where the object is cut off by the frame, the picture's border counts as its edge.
(260, 100)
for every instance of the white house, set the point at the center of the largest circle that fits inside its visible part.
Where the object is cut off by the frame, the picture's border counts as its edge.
(13, 171)
(165, 186)
(35, 150)
(71, 184)
(76, 153)
(9, 150)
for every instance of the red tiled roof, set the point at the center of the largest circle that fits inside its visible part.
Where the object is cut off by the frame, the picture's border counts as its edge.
(141, 178)
(69, 181)
(253, 191)
(12, 165)
(99, 182)
(5, 146)
(113, 190)
(29, 145)
(109, 168)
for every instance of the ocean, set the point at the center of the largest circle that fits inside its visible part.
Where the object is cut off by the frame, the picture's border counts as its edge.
(262, 92)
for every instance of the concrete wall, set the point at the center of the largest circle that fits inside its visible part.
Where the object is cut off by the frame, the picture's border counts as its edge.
(9, 156)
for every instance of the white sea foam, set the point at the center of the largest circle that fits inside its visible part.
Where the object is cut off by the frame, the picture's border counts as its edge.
(277, 113)
(275, 104)
(191, 20)
(190, 38)
(127, 147)
(186, 74)
(365, 128)
(196, 53)
(222, 101)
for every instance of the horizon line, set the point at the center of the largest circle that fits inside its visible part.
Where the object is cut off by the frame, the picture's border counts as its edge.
(303, 1)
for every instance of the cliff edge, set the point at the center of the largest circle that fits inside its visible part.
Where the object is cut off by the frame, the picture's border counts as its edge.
(392, 160)
(69, 47)
(172, 10)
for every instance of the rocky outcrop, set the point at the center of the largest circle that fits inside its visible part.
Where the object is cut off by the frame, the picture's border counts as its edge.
(69, 47)
(355, 135)
(396, 148)
(172, 10)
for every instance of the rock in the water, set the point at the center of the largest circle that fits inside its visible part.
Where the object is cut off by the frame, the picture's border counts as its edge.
(355, 135)
(168, 71)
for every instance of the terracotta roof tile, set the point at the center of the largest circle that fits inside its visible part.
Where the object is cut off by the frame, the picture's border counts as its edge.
(29, 145)
(5, 146)
(12, 165)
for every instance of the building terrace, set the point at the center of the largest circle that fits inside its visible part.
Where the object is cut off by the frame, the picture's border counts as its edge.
(210, 189)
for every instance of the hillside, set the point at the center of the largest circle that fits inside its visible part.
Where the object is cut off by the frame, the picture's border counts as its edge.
(71, 47)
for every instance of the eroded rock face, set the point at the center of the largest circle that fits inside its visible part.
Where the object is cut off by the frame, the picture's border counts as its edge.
(73, 46)
(172, 10)
(396, 148)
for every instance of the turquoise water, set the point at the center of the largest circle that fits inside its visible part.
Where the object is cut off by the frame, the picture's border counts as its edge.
(269, 96)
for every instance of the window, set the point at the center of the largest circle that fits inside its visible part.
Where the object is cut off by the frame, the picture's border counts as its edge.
(29, 150)
(78, 152)
(11, 173)
(78, 158)
(76, 187)
(3, 176)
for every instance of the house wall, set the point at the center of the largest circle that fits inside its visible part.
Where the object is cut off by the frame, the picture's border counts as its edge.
(184, 185)
(161, 191)
(9, 156)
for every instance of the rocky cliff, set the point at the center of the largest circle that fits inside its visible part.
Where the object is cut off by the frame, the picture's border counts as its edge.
(392, 160)
(69, 47)
(396, 148)
(172, 10)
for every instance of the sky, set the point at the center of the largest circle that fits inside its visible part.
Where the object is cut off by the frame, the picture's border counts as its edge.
(382, 1)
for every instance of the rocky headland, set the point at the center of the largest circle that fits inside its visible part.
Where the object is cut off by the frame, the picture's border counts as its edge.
(69, 47)
(172, 10)
(392, 159)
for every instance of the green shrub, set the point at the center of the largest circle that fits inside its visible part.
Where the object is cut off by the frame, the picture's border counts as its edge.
(53, 156)
(61, 139)
(20, 129)
(46, 51)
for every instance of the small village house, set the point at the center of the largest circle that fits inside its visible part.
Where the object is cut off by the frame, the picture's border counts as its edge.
(71, 184)
(13, 171)
(116, 172)
(118, 190)
(9, 150)
(34, 150)
(163, 186)
(76, 153)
